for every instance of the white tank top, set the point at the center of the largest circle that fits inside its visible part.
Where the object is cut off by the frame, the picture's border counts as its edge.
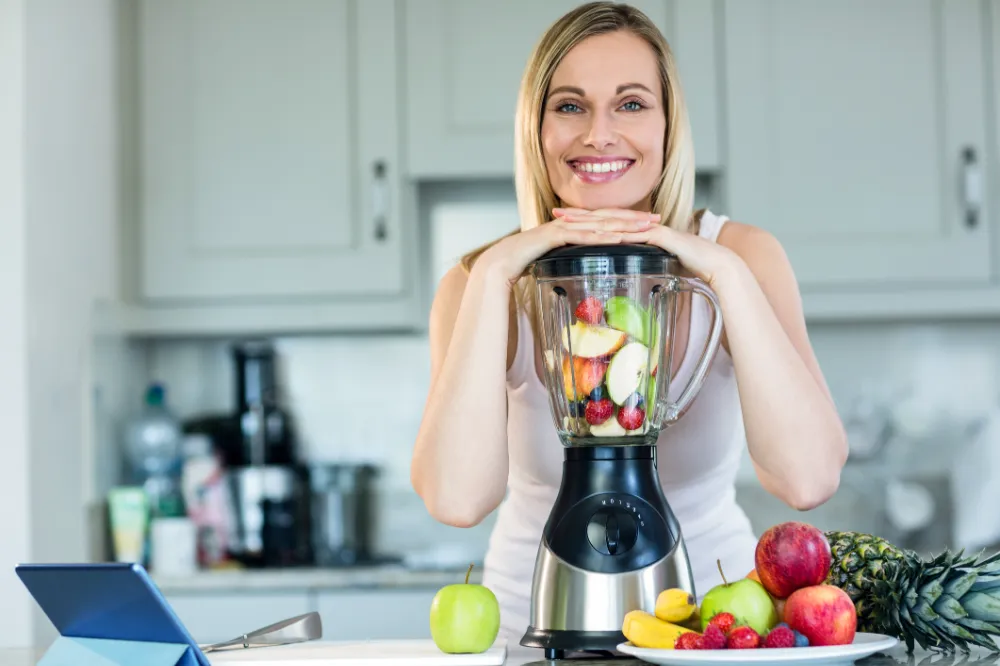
(697, 459)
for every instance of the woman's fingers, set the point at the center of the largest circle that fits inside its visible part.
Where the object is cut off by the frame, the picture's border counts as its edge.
(609, 224)
(618, 213)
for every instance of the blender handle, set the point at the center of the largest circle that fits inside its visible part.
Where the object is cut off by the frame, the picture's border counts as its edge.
(711, 346)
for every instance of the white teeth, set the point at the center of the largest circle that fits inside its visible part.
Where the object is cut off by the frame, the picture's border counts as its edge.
(601, 167)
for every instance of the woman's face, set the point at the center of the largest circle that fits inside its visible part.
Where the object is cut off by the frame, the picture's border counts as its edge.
(604, 123)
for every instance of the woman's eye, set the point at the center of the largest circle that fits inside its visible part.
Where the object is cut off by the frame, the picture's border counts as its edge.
(568, 107)
(632, 105)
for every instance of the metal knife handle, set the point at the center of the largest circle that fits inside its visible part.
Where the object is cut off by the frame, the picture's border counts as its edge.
(298, 629)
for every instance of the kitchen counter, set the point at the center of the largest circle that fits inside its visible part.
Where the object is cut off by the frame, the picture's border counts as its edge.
(518, 656)
(309, 579)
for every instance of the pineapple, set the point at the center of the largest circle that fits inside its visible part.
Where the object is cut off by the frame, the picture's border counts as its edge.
(942, 604)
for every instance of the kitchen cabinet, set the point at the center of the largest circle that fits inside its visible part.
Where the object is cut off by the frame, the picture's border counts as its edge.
(370, 614)
(270, 161)
(212, 617)
(464, 61)
(857, 134)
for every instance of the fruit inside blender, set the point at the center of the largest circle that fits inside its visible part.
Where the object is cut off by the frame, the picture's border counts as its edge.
(608, 372)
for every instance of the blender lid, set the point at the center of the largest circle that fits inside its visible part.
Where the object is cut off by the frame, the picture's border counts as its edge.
(575, 260)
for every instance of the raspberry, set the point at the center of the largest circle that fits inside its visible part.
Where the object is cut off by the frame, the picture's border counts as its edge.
(688, 641)
(743, 638)
(713, 638)
(780, 637)
(724, 621)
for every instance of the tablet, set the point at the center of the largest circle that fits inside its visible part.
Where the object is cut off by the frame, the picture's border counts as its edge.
(110, 600)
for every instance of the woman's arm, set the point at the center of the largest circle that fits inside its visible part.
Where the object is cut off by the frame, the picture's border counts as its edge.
(459, 464)
(795, 436)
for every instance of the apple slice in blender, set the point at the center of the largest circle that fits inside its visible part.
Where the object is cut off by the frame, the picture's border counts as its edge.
(610, 428)
(590, 341)
(624, 314)
(626, 371)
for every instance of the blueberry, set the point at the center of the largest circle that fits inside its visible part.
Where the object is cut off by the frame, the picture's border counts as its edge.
(781, 624)
(800, 640)
(577, 408)
(597, 394)
(634, 400)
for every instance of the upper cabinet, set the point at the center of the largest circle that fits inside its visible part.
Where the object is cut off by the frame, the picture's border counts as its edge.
(269, 152)
(464, 62)
(857, 134)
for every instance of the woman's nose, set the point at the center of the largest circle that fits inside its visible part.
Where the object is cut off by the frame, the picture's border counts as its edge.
(601, 132)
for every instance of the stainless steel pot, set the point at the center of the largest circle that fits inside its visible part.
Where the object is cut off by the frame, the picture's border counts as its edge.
(343, 513)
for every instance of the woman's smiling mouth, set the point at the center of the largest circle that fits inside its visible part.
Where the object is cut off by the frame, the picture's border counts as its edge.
(594, 170)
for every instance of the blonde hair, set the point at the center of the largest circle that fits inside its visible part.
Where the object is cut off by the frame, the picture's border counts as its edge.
(673, 195)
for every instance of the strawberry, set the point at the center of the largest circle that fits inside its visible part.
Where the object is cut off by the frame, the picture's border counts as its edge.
(631, 418)
(723, 621)
(713, 638)
(590, 310)
(688, 641)
(743, 638)
(598, 411)
(780, 637)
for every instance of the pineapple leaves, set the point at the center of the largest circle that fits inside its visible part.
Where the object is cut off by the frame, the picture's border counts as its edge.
(982, 606)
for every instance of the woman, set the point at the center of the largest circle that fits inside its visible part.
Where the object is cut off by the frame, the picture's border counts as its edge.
(604, 155)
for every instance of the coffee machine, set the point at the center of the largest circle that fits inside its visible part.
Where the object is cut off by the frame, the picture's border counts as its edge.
(607, 318)
(269, 489)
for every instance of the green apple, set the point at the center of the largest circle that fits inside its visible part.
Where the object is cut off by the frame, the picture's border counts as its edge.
(465, 618)
(746, 599)
(626, 370)
(624, 314)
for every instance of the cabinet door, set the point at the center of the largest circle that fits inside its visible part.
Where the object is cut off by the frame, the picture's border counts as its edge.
(269, 149)
(853, 129)
(212, 617)
(357, 615)
(465, 59)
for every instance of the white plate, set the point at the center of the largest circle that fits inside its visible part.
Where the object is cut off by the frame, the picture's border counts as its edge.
(863, 646)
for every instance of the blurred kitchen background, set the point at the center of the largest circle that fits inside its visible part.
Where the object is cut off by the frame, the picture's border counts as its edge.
(217, 214)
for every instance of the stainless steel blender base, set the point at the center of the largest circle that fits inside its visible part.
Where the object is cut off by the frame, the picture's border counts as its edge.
(575, 609)
(610, 546)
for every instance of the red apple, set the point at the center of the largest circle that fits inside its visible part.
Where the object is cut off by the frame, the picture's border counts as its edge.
(790, 556)
(822, 613)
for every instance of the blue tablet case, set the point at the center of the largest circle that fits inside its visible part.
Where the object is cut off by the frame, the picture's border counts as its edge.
(108, 614)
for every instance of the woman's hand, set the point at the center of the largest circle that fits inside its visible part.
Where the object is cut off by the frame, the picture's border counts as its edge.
(705, 259)
(511, 255)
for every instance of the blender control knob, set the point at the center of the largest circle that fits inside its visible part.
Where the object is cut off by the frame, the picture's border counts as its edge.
(612, 531)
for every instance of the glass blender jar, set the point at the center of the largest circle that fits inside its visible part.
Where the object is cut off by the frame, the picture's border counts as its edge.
(608, 317)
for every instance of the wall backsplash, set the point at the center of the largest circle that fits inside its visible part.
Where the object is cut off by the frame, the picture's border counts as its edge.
(936, 377)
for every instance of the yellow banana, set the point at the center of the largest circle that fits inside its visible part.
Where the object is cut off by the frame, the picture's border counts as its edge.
(675, 605)
(648, 631)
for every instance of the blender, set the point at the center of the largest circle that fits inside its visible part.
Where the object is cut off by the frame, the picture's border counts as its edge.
(607, 317)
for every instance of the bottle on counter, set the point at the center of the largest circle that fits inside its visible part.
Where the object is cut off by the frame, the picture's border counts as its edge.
(153, 451)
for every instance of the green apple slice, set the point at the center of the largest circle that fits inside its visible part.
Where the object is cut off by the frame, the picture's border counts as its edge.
(626, 370)
(624, 314)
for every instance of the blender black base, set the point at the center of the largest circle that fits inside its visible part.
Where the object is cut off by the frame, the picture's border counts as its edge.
(557, 643)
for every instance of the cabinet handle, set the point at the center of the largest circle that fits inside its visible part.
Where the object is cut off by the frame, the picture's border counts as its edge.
(972, 186)
(380, 200)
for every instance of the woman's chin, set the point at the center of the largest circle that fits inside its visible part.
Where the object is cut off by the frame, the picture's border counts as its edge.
(596, 200)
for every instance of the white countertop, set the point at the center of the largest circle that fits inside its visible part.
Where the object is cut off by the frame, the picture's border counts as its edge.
(516, 656)
(382, 576)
